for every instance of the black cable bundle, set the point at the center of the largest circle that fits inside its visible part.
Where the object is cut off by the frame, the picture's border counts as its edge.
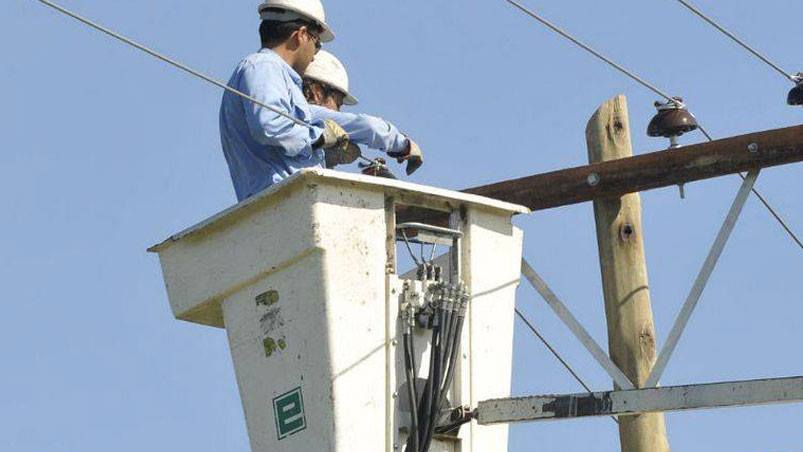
(447, 327)
(412, 390)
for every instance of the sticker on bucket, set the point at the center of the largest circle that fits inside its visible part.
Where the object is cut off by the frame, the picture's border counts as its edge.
(288, 410)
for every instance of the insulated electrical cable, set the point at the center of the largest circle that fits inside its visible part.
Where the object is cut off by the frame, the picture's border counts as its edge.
(727, 33)
(652, 88)
(455, 349)
(412, 393)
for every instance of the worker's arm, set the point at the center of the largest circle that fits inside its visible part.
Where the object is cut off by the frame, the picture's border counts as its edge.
(268, 85)
(376, 133)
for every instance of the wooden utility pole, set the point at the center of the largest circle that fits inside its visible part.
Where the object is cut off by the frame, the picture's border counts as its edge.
(631, 333)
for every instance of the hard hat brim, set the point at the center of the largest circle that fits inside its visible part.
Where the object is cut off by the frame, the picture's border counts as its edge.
(327, 35)
(350, 100)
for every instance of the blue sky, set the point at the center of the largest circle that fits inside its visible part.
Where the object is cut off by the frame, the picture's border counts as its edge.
(106, 151)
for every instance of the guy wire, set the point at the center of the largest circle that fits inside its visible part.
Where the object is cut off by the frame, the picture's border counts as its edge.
(556, 354)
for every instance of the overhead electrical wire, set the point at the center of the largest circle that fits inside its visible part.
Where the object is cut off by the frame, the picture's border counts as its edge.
(774, 66)
(661, 93)
(170, 61)
(590, 50)
(632, 75)
(736, 39)
(180, 66)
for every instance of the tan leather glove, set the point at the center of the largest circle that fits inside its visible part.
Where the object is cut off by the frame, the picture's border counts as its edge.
(339, 150)
(413, 155)
(333, 135)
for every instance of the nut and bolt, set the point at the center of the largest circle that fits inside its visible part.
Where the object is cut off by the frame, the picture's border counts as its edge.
(752, 147)
(593, 179)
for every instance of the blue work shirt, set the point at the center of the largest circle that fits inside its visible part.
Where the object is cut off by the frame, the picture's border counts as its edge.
(371, 131)
(261, 146)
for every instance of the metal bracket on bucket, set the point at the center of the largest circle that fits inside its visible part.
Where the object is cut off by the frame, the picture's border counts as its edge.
(427, 233)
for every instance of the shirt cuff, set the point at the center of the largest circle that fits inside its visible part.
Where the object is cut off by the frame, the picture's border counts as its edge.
(399, 144)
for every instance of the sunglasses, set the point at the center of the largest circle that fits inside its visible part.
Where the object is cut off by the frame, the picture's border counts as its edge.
(315, 37)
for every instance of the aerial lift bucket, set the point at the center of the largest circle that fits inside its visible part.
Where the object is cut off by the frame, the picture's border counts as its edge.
(305, 279)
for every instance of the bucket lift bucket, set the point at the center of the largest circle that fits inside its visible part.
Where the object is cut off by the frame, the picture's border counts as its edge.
(305, 279)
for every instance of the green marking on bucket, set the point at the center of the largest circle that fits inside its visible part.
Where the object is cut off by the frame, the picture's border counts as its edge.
(288, 410)
(267, 298)
(269, 345)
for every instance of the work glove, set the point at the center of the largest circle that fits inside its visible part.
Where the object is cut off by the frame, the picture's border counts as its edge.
(338, 149)
(413, 156)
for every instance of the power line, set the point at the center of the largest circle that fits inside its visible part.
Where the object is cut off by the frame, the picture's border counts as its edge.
(766, 204)
(556, 354)
(776, 215)
(652, 88)
(171, 61)
(727, 33)
(588, 48)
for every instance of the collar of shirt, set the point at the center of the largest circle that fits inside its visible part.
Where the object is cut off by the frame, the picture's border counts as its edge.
(275, 56)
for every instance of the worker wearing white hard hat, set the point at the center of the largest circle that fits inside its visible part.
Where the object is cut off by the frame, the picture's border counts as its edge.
(330, 72)
(326, 87)
(261, 146)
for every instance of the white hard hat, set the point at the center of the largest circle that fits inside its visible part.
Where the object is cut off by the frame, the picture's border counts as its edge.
(326, 68)
(307, 9)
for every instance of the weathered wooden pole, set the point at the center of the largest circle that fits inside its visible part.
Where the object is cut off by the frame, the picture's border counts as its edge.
(631, 333)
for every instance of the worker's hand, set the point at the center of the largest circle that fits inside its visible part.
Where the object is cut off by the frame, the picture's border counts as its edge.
(413, 156)
(339, 150)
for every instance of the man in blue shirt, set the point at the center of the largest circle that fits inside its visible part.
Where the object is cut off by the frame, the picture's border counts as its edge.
(326, 87)
(261, 146)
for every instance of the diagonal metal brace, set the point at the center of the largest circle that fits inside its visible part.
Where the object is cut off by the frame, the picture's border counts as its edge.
(582, 335)
(702, 279)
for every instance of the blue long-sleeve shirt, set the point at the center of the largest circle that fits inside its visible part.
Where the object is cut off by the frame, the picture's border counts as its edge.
(263, 147)
(371, 131)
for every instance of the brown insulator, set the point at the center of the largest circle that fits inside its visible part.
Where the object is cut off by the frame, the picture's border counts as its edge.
(796, 94)
(672, 120)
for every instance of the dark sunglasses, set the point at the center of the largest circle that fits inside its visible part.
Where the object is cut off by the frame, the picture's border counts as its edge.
(315, 37)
